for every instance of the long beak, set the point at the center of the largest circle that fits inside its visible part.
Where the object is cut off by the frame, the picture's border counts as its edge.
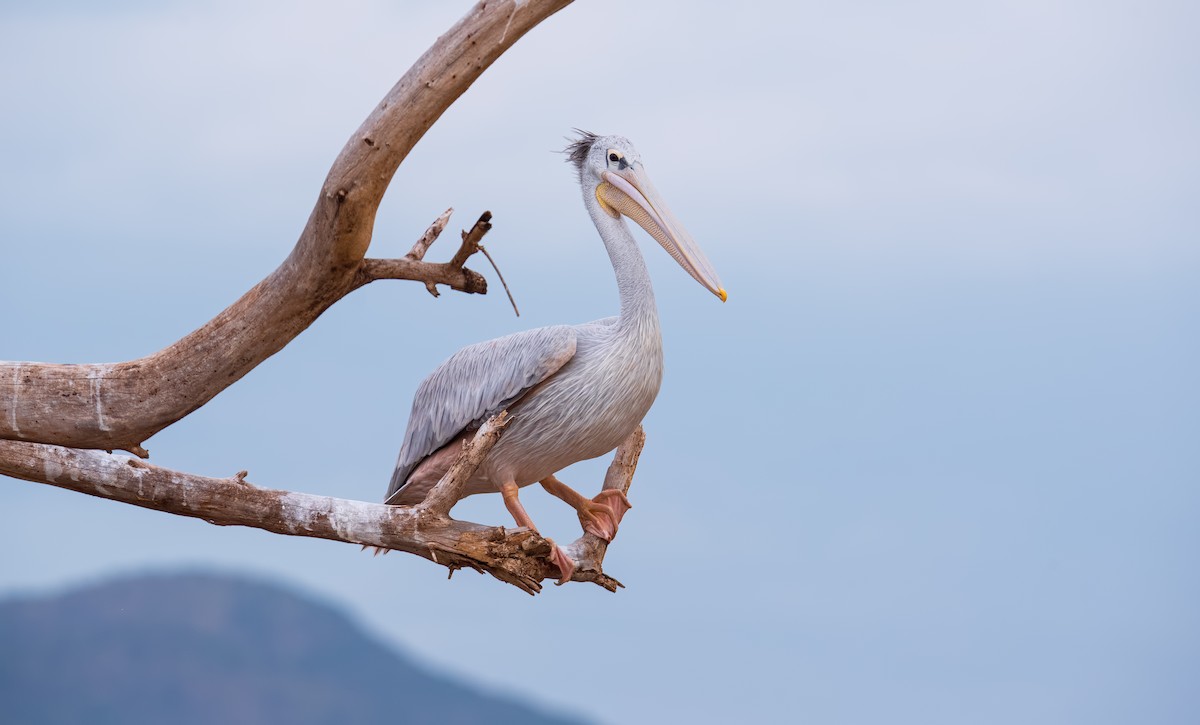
(630, 192)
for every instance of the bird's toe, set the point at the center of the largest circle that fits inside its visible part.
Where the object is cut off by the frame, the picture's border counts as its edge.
(603, 514)
(565, 564)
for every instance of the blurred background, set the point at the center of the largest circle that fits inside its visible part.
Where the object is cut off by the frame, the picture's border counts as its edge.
(935, 460)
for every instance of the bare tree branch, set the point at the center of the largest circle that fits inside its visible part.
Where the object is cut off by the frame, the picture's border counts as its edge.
(452, 274)
(120, 405)
(53, 417)
(518, 556)
(457, 278)
(588, 550)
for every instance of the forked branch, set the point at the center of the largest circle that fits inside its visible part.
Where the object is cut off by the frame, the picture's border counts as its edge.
(120, 405)
(452, 274)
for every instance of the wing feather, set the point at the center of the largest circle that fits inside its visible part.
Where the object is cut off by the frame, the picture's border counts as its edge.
(474, 383)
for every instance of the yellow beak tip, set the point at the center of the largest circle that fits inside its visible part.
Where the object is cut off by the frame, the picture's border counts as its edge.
(722, 294)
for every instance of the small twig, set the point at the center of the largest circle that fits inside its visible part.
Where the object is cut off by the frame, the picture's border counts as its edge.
(430, 235)
(501, 276)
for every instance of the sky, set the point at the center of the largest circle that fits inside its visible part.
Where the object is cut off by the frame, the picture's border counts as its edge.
(934, 461)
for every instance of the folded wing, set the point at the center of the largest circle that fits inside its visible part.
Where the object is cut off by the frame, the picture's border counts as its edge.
(475, 383)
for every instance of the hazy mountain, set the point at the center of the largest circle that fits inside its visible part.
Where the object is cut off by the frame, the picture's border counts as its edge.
(194, 648)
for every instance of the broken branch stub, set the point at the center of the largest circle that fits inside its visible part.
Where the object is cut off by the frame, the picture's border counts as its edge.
(417, 253)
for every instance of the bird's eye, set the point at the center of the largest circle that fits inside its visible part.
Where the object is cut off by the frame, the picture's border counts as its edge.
(613, 156)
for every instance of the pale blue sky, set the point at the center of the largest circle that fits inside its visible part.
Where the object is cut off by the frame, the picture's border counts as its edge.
(935, 461)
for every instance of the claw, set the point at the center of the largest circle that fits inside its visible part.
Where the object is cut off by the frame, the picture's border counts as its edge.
(565, 564)
(602, 515)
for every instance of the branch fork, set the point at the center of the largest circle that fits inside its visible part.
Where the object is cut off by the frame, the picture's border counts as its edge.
(410, 267)
(119, 406)
(413, 266)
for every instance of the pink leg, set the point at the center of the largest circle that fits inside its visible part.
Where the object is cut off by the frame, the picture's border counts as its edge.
(599, 516)
(566, 565)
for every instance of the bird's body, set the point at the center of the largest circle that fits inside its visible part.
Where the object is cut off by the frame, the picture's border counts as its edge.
(573, 392)
(585, 409)
(612, 378)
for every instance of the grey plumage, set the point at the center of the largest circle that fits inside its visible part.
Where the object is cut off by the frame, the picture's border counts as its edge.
(577, 150)
(474, 384)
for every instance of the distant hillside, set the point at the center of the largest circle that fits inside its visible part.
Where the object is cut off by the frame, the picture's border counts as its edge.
(186, 649)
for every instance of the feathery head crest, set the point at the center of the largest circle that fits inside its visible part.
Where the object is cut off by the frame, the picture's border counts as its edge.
(577, 150)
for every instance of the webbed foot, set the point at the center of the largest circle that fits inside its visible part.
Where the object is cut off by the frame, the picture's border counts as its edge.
(602, 515)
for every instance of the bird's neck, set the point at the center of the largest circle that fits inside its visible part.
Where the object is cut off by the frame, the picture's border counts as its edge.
(633, 280)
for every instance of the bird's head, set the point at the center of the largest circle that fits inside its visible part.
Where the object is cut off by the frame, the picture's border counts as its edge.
(614, 168)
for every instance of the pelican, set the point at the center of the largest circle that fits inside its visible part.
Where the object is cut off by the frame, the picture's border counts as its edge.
(574, 392)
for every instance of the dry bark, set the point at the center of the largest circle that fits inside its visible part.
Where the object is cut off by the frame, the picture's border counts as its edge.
(516, 556)
(59, 423)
